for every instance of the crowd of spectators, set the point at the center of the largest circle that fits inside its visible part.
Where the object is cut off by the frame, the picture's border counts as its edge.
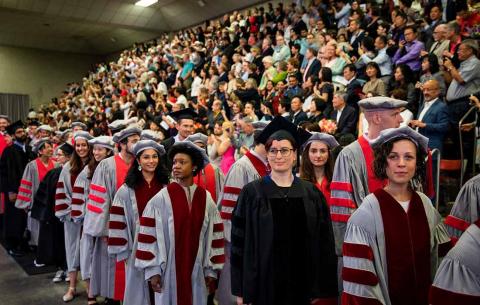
(309, 62)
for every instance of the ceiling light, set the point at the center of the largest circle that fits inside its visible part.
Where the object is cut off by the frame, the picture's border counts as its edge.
(145, 3)
(201, 3)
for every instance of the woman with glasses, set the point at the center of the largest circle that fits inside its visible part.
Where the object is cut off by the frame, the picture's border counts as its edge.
(282, 242)
(393, 240)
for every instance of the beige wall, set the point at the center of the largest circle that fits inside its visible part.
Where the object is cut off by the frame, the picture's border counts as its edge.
(40, 74)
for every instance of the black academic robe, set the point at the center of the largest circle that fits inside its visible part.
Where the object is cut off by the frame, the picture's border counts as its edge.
(282, 245)
(167, 144)
(12, 164)
(51, 241)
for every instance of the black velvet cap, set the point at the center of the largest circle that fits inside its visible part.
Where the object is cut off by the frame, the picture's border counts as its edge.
(282, 129)
(186, 113)
(12, 128)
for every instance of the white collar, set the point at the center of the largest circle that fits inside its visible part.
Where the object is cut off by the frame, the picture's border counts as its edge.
(253, 152)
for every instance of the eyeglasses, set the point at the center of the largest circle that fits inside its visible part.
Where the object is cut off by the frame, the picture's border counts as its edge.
(284, 152)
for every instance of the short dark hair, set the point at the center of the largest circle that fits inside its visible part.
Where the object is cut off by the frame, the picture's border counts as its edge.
(410, 27)
(383, 39)
(350, 67)
(381, 153)
(313, 51)
(402, 15)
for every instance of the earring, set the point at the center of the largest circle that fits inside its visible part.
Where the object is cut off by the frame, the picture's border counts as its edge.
(139, 168)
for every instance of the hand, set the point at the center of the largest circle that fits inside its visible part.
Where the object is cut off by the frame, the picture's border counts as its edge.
(391, 42)
(401, 44)
(423, 53)
(418, 85)
(12, 197)
(211, 284)
(467, 127)
(447, 54)
(239, 301)
(417, 123)
(447, 63)
(156, 282)
(475, 101)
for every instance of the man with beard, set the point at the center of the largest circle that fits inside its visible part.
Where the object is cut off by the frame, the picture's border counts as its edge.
(33, 174)
(107, 277)
(4, 142)
(12, 164)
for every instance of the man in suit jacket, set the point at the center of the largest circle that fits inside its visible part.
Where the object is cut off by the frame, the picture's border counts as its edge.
(344, 115)
(297, 115)
(313, 64)
(432, 120)
(356, 36)
(353, 88)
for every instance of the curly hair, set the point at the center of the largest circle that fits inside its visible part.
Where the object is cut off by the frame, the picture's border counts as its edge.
(195, 155)
(381, 153)
(134, 176)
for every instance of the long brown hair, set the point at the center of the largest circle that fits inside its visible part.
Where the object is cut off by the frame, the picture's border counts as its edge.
(76, 164)
(307, 171)
(92, 164)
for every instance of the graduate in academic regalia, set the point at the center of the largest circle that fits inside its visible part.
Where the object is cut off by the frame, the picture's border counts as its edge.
(102, 147)
(12, 165)
(185, 124)
(394, 239)
(211, 177)
(144, 180)
(466, 209)
(4, 122)
(33, 174)
(108, 276)
(316, 164)
(51, 243)
(181, 243)
(458, 277)
(282, 249)
(63, 206)
(353, 178)
(251, 166)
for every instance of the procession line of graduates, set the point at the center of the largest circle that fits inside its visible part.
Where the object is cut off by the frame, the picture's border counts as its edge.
(273, 238)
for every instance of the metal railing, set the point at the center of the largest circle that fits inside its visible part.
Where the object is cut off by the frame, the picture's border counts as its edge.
(436, 151)
(460, 123)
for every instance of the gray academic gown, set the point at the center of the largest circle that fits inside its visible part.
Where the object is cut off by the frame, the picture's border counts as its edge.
(87, 242)
(63, 207)
(458, 277)
(124, 209)
(365, 235)
(26, 192)
(466, 209)
(241, 173)
(160, 258)
(102, 191)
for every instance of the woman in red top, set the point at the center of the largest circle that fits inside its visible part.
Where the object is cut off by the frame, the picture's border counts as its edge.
(317, 162)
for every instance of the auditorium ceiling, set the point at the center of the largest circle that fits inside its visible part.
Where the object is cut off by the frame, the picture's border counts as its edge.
(100, 27)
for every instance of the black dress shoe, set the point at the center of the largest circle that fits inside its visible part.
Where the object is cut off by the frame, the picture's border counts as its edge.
(16, 253)
(111, 302)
